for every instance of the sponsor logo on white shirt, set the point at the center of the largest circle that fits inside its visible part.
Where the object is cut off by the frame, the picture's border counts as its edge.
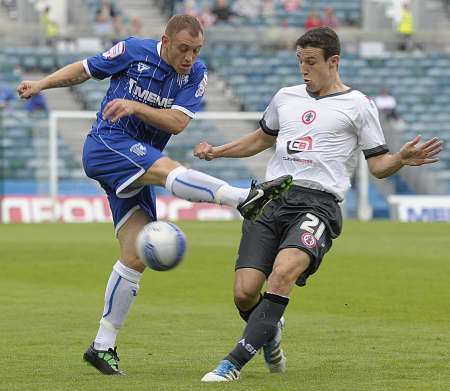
(299, 145)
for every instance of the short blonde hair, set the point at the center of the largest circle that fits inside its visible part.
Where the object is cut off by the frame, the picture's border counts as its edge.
(178, 23)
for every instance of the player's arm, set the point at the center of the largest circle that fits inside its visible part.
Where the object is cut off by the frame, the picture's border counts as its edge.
(411, 154)
(170, 120)
(69, 75)
(248, 145)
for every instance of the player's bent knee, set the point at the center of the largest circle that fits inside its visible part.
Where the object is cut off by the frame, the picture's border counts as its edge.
(127, 240)
(287, 270)
(157, 173)
(133, 262)
(244, 298)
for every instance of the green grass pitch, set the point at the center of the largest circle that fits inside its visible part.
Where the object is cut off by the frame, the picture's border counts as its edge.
(375, 317)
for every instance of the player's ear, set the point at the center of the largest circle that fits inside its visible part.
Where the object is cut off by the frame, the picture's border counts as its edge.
(165, 40)
(334, 61)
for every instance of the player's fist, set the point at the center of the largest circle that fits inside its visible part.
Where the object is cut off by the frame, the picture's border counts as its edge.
(118, 108)
(28, 88)
(204, 151)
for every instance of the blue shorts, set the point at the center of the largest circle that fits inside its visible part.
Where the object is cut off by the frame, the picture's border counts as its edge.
(116, 161)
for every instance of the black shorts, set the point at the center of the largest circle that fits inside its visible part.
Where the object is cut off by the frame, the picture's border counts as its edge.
(302, 218)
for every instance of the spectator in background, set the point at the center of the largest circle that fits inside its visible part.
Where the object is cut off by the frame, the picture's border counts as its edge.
(169, 7)
(107, 20)
(405, 28)
(36, 103)
(387, 104)
(313, 21)
(11, 7)
(135, 27)
(206, 17)
(222, 11)
(291, 5)
(7, 95)
(247, 8)
(330, 19)
(267, 8)
(190, 8)
(51, 28)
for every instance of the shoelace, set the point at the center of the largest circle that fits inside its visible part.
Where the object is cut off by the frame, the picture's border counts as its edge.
(114, 353)
(224, 368)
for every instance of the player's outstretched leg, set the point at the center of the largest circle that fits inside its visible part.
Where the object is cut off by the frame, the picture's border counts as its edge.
(261, 194)
(196, 186)
(273, 354)
(225, 371)
(106, 361)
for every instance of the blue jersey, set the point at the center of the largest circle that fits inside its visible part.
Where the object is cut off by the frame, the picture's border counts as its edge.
(138, 73)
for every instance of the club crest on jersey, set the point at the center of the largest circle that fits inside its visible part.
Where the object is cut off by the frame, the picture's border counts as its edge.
(182, 79)
(299, 145)
(308, 117)
(115, 51)
(142, 67)
(138, 149)
(370, 99)
(308, 240)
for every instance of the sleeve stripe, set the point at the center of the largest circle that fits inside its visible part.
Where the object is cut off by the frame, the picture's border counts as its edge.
(380, 150)
(86, 67)
(266, 129)
(184, 110)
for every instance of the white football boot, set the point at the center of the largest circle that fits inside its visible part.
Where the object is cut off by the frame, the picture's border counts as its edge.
(225, 371)
(273, 354)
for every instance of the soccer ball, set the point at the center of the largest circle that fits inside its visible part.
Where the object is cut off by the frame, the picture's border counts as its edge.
(161, 245)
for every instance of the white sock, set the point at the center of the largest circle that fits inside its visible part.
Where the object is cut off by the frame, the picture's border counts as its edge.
(196, 186)
(121, 290)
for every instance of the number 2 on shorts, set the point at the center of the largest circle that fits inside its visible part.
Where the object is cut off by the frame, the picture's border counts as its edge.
(313, 225)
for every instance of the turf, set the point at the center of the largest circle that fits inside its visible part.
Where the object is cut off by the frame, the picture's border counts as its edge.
(375, 317)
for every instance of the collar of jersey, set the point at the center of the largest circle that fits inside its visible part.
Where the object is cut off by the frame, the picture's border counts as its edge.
(158, 48)
(312, 95)
(167, 67)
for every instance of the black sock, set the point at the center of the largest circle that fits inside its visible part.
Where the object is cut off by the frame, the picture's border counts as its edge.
(261, 327)
(246, 314)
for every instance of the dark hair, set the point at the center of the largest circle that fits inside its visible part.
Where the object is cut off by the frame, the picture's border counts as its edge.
(178, 23)
(323, 38)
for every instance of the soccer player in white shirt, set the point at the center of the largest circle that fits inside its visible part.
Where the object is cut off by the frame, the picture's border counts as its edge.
(318, 129)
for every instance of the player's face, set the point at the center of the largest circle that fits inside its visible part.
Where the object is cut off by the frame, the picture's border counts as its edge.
(317, 72)
(181, 50)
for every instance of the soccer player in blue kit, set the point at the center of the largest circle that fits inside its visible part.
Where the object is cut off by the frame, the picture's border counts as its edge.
(155, 89)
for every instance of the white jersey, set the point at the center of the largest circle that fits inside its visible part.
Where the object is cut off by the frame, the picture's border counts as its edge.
(319, 137)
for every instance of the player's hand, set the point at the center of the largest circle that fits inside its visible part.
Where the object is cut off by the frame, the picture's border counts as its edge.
(118, 108)
(412, 154)
(204, 151)
(28, 88)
